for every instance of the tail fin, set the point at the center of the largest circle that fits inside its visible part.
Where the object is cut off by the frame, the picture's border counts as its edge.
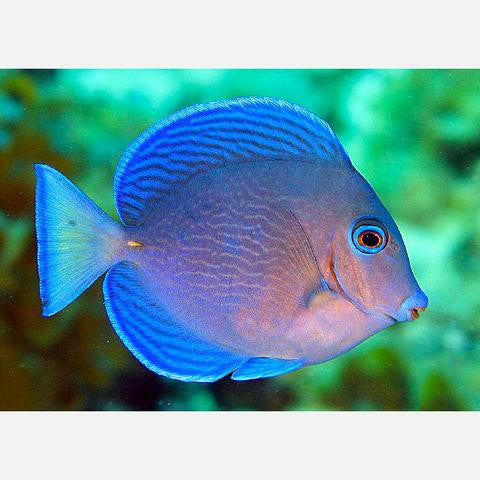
(77, 241)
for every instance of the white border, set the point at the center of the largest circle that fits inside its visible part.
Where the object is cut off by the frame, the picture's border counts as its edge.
(214, 445)
(250, 33)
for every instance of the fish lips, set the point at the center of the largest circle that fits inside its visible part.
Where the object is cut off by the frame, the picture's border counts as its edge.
(411, 308)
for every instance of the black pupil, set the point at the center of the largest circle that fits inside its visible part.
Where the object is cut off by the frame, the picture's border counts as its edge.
(371, 239)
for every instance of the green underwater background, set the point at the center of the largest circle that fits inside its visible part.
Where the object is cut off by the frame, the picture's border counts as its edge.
(414, 135)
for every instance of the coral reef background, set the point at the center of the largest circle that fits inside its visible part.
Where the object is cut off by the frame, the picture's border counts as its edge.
(414, 134)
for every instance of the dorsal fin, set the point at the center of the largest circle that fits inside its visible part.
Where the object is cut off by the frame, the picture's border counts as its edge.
(213, 135)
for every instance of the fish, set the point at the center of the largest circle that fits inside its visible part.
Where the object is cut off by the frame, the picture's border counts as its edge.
(248, 245)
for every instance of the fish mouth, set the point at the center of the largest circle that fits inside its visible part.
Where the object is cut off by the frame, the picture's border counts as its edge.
(408, 315)
(415, 312)
(412, 314)
(412, 307)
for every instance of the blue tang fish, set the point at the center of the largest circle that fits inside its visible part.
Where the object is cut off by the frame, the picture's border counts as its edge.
(248, 243)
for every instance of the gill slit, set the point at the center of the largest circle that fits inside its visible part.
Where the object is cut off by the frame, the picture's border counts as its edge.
(340, 289)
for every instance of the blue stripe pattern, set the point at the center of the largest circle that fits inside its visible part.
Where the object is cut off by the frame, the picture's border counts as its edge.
(212, 135)
(158, 341)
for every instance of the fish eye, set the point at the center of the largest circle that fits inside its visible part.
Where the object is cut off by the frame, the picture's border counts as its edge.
(369, 236)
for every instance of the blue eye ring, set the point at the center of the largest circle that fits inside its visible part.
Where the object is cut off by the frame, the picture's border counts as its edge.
(368, 238)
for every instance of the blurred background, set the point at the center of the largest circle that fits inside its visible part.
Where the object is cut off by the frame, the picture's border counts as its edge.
(415, 136)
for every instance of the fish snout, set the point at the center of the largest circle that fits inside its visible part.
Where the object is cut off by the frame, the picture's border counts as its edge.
(411, 307)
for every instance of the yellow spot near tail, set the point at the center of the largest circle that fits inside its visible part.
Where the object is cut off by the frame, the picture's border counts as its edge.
(133, 243)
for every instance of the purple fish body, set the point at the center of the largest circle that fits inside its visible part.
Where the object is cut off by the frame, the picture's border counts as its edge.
(249, 244)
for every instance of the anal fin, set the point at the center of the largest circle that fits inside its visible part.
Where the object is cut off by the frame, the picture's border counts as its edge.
(155, 338)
